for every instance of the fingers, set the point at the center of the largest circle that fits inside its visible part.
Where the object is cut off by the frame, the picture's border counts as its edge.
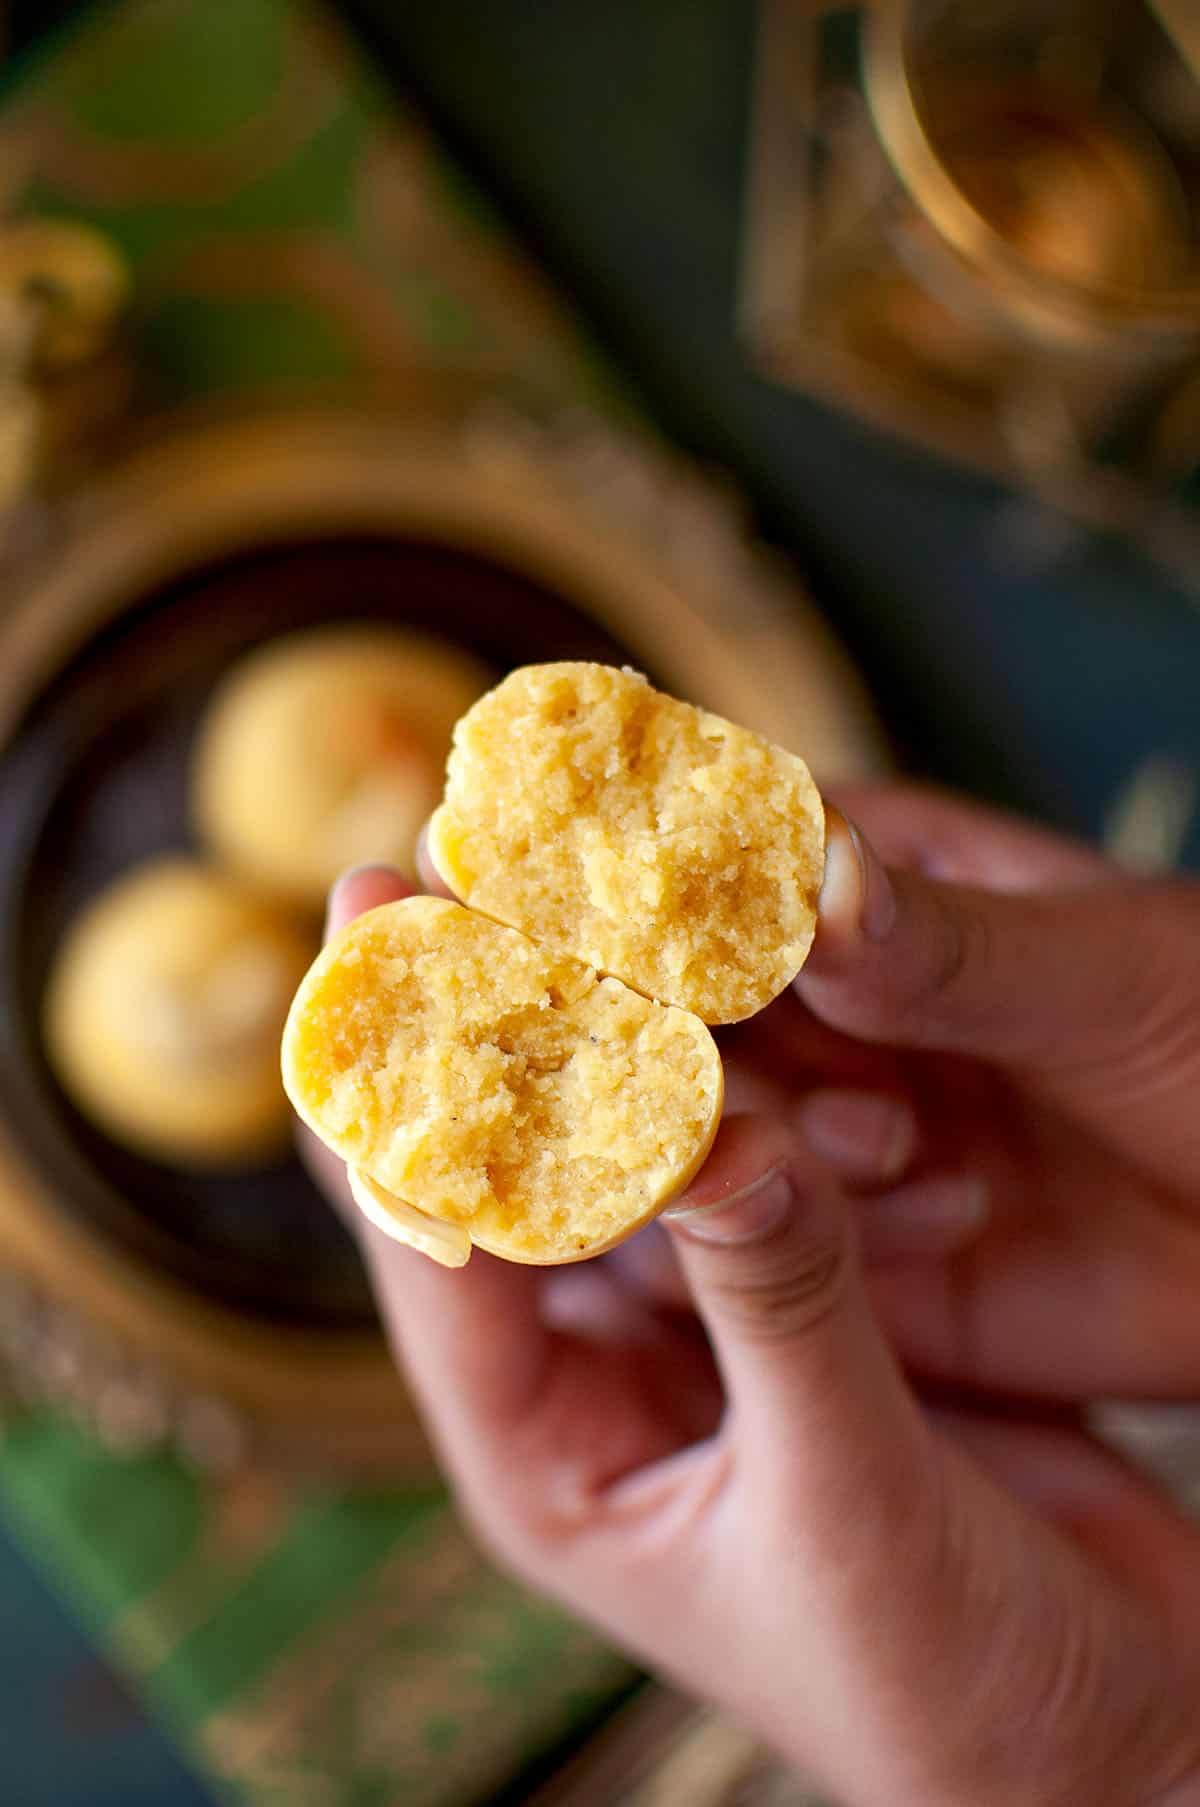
(363, 888)
(1051, 981)
(539, 1390)
(447, 1328)
(430, 877)
(543, 1394)
(928, 1219)
(954, 839)
(1089, 1491)
(924, 1220)
(870, 1140)
(923, 1592)
(648, 1266)
(767, 1247)
(864, 1135)
(444, 1326)
(824, 1532)
(465, 1311)
(1092, 1298)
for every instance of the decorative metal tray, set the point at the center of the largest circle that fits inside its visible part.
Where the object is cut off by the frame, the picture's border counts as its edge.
(231, 1310)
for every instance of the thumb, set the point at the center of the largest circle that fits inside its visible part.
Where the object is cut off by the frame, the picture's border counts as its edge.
(1083, 976)
(767, 1248)
(939, 1643)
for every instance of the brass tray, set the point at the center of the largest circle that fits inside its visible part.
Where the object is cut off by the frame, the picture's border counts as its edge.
(238, 1295)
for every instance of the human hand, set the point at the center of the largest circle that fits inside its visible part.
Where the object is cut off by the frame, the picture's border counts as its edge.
(1038, 1016)
(918, 1604)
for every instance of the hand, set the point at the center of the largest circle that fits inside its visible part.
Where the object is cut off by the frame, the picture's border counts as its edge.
(918, 1604)
(1048, 1009)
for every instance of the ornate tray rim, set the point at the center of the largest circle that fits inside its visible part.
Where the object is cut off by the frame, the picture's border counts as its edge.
(539, 497)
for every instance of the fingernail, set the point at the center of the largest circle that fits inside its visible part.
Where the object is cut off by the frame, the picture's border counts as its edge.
(878, 911)
(742, 1216)
(351, 876)
(431, 878)
(856, 892)
(929, 1217)
(863, 1133)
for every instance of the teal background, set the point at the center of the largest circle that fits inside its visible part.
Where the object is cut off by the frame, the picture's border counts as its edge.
(71, 1734)
(614, 132)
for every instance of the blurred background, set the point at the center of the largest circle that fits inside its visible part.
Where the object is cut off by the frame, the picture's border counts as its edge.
(839, 366)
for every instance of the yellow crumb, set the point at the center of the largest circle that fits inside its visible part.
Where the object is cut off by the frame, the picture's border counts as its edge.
(495, 1085)
(640, 835)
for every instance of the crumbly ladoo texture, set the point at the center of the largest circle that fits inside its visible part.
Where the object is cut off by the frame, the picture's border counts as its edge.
(465, 1073)
(163, 1013)
(639, 834)
(326, 750)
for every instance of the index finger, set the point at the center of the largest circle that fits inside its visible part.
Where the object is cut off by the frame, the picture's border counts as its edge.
(363, 888)
(518, 1410)
(952, 837)
(1054, 981)
(445, 1326)
(431, 878)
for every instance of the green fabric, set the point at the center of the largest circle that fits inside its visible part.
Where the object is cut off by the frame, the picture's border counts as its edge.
(325, 1548)
(292, 233)
(202, 347)
(131, 88)
(114, 1528)
(288, 227)
(349, 1646)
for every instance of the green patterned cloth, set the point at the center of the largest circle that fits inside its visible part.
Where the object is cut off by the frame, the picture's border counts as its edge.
(345, 1649)
(292, 235)
(291, 232)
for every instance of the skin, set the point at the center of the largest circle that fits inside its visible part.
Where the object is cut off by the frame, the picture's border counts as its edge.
(814, 1445)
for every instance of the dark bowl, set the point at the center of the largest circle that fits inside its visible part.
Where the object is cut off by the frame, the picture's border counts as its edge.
(198, 545)
(96, 780)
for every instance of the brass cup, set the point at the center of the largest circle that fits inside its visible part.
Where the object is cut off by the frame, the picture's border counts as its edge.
(1076, 242)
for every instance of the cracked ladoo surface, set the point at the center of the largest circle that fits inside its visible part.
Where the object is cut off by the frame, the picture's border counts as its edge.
(483, 1089)
(641, 835)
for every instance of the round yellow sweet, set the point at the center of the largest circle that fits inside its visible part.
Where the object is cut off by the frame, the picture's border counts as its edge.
(326, 750)
(163, 1014)
(493, 1091)
(636, 833)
